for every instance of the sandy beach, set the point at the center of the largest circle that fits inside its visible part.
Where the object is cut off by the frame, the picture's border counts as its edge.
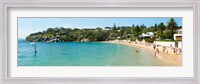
(171, 56)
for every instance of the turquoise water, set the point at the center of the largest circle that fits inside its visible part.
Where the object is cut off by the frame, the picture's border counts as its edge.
(83, 54)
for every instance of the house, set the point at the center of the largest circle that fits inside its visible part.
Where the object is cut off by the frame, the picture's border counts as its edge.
(106, 29)
(178, 36)
(147, 35)
(118, 37)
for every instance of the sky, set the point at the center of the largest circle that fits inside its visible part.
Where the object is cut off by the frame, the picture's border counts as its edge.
(27, 26)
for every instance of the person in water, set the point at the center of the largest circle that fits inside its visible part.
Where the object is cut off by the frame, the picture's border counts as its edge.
(136, 51)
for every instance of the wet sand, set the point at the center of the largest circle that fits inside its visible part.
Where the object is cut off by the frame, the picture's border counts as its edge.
(168, 56)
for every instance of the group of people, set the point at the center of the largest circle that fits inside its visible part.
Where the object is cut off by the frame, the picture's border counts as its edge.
(157, 48)
(176, 51)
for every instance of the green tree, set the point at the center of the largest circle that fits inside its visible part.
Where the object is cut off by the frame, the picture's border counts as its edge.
(155, 26)
(137, 30)
(114, 27)
(167, 34)
(172, 25)
(133, 26)
(161, 27)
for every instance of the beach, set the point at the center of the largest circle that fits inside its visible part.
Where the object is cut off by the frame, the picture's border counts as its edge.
(168, 55)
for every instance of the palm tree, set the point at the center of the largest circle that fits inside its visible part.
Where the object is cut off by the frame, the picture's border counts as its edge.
(161, 27)
(172, 25)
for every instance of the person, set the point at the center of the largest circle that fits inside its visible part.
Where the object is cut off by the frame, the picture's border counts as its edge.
(180, 51)
(175, 51)
(136, 51)
(167, 51)
(154, 47)
(157, 50)
(164, 48)
(155, 54)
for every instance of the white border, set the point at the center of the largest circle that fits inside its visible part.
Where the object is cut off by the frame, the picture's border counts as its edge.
(185, 71)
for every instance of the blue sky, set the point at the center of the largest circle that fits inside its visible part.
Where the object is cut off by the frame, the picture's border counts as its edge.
(27, 26)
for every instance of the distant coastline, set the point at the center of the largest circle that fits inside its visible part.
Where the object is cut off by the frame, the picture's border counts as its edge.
(150, 34)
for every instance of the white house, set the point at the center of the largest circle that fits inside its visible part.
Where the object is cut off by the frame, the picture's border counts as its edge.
(178, 36)
(118, 37)
(177, 44)
(148, 35)
(106, 29)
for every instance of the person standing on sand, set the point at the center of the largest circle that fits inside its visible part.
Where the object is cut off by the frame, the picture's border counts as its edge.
(157, 50)
(167, 51)
(154, 47)
(180, 51)
(164, 48)
(175, 51)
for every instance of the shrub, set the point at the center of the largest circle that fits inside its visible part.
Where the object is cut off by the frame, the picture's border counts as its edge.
(150, 40)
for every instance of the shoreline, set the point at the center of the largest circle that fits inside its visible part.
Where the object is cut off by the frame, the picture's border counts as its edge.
(168, 56)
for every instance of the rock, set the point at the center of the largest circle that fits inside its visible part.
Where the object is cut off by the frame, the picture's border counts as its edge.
(85, 40)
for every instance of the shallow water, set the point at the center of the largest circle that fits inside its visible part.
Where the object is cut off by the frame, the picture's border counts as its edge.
(83, 54)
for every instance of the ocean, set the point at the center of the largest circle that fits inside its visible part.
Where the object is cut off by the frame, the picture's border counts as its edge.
(83, 54)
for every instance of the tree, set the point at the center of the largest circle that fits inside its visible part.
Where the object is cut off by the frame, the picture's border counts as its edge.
(133, 25)
(114, 27)
(161, 27)
(167, 34)
(137, 30)
(142, 26)
(172, 25)
(133, 31)
(155, 26)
